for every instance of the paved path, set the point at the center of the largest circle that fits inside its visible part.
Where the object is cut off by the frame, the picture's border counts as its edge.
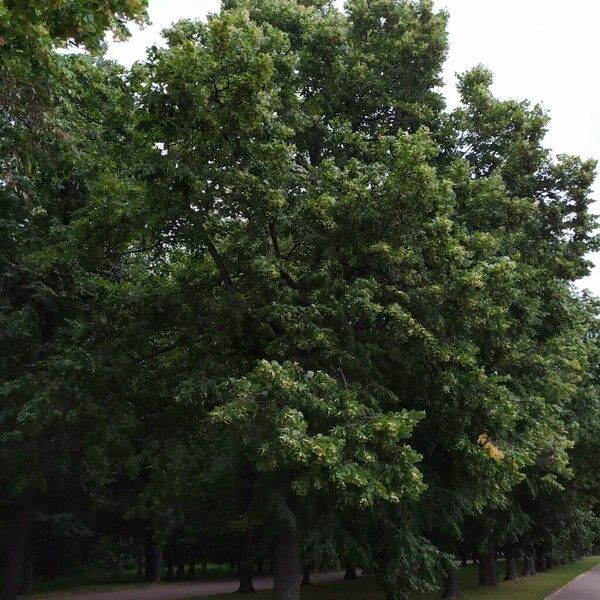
(585, 587)
(178, 591)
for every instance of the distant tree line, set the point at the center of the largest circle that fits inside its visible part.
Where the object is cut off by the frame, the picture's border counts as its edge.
(265, 300)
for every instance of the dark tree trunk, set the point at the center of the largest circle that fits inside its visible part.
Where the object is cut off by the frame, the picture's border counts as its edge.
(286, 566)
(305, 576)
(549, 564)
(451, 586)
(139, 559)
(350, 574)
(245, 575)
(260, 567)
(540, 560)
(246, 564)
(192, 569)
(17, 546)
(28, 574)
(511, 567)
(180, 572)
(488, 568)
(529, 565)
(29, 563)
(148, 558)
(156, 561)
(463, 552)
(168, 556)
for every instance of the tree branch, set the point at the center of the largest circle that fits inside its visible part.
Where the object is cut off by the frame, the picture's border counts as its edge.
(275, 241)
(218, 260)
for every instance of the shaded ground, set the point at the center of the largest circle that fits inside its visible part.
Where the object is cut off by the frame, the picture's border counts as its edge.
(586, 587)
(179, 591)
(524, 588)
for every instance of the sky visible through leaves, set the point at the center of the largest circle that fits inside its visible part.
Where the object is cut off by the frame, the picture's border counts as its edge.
(543, 50)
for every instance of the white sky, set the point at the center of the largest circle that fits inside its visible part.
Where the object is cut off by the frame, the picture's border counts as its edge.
(543, 50)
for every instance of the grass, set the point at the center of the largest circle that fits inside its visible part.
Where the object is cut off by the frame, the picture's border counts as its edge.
(524, 588)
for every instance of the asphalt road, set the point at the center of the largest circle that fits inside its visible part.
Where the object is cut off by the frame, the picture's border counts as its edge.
(585, 587)
(178, 591)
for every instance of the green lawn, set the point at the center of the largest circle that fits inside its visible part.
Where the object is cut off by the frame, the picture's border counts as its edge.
(532, 588)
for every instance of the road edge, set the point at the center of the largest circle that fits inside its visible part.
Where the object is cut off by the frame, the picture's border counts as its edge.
(560, 589)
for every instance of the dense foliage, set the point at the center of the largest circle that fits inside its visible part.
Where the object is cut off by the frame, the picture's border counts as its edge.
(264, 299)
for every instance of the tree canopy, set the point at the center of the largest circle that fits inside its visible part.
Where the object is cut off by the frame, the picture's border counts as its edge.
(264, 297)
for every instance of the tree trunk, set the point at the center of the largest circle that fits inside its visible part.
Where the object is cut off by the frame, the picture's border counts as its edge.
(28, 573)
(148, 557)
(511, 568)
(245, 575)
(29, 563)
(17, 546)
(180, 572)
(451, 586)
(305, 576)
(192, 569)
(549, 564)
(286, 566)
(139, 554)
(156, 561)
(540, 560)
(529, 565)
(246, 564)
(350, 574)
(488, 568)
(260, 567)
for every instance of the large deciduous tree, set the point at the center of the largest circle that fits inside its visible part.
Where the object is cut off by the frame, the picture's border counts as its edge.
(264, 287)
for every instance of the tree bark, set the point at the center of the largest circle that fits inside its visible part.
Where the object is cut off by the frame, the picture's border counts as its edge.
(180, 572)
(286, 565)
(305, 576)
(350, 574)
(192, 569)
(158, 551)
(511, 568)
(540, 560)
(148, 557)
(451, 586)
(246, 564)
(17, 546)
(28, 576)
(260, 567)
(139, 559)
(488, 568)
(529, 565)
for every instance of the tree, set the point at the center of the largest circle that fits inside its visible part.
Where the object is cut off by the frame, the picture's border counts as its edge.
(31, 29)
(56, 175)
(264, 291)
